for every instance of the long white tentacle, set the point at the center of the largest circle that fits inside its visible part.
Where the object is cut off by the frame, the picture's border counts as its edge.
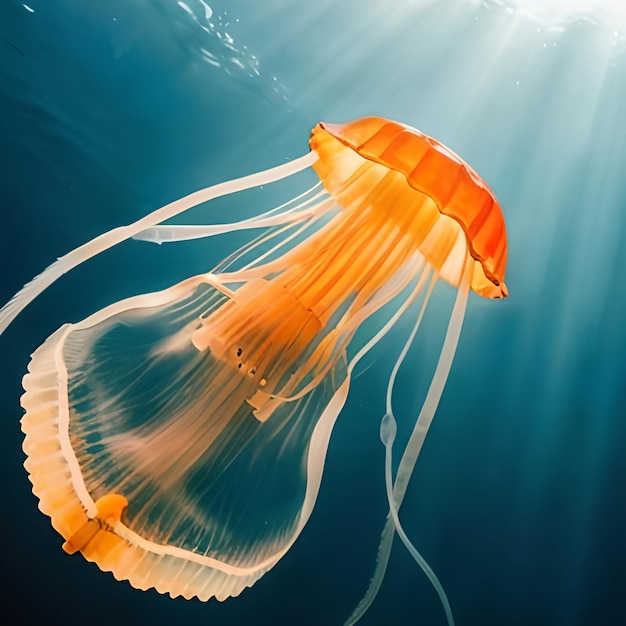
(111, 238)
(409, 458)
(295, 210)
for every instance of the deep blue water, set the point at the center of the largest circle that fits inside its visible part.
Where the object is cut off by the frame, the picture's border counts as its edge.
(110, 110)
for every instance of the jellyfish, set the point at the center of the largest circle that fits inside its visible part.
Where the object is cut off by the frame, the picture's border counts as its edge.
(177, 439)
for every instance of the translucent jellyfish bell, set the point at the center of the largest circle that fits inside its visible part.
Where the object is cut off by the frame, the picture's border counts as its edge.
(178, 438)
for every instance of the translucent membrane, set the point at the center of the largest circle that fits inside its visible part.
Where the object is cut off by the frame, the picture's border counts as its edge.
(142, 412)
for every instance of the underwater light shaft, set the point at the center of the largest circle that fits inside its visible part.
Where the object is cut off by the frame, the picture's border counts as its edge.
(611, 13)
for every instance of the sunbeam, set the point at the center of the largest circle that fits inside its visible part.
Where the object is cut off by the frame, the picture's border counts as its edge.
(611, 13)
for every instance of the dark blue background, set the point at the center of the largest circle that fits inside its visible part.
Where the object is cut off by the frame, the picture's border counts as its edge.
(109, 110)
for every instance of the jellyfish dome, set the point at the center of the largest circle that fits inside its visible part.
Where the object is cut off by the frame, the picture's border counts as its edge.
(177, 439)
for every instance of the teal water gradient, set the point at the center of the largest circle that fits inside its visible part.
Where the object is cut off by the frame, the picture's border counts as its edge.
(110, 110)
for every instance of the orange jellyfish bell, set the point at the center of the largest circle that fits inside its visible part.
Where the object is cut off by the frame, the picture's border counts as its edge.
(427, 167)
(177, 439)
